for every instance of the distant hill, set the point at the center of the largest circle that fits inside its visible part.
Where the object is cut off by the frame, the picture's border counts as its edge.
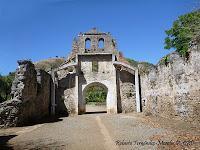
(47, 64)
(144, 67)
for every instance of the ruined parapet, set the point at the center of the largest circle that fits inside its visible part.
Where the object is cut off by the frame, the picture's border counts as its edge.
(93, 42)
(24, 86)
(30, 96)
(172, 88)
(24, 89)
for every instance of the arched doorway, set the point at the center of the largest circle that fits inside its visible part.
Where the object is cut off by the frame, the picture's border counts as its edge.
(95, 98)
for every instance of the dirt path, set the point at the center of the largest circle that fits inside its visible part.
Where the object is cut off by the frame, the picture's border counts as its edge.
(109, 143)
(104, 132)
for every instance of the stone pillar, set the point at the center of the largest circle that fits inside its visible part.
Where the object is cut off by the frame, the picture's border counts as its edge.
(81, 103)
(76, 95)
(113, 57)
(137, 89)
(53, 95)
(112, 94)
(76, 100)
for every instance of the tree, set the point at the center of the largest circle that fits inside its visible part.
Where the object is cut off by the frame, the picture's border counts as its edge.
(96, 94)
(184, 30)
(5, 86)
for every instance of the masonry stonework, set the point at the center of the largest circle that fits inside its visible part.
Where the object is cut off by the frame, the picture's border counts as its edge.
(170, 89)
(173, 90)
(76, 75)
(30, 97)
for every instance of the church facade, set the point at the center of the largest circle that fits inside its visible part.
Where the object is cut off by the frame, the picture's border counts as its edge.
(95, 61)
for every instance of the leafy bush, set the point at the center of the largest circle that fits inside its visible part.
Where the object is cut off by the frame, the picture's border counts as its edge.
(96, 94)
(184, 30)
(165, 60)
(5, 86)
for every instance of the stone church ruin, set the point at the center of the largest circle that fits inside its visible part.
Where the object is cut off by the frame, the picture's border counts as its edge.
(168, 90)
(90, 65)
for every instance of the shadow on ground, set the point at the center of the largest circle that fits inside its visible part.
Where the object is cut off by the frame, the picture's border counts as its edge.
(4, 142)
(44, 120)
(96, 112)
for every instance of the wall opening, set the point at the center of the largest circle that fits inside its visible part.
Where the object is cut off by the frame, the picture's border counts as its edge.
(101, 43)
(95, 97)
(87, 43)
(95, 66)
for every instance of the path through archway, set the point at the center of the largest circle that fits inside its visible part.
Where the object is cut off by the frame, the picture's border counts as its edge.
(95, 98)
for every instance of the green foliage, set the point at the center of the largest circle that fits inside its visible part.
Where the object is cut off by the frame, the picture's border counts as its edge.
(5, 86)
(49, 64)
(132, 62)
(96, 94)
(165, 60)
(143, 66)
(184, 30)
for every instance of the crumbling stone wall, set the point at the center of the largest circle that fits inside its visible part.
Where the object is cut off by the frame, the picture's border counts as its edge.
(30, 96)
(65, 93)
(43, 99)
(126, 92)
(172, 88)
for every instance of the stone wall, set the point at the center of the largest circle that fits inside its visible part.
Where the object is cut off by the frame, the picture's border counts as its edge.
(73, 82)
(172, 88)
(106, 76)
(43, 99)
(30, 97)
(94, 36)
(65, 93)
(126, 92)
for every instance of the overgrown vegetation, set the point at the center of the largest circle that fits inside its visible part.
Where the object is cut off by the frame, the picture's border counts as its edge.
(184, 30)
(5, 86)
(143, 66)
(48, 64)
(132, 62)
(165, 60)
(96, 95)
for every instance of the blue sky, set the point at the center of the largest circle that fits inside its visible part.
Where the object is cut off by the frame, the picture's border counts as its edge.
(40, 29)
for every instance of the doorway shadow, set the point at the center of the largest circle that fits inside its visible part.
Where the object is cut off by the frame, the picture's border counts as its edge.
(96, 112)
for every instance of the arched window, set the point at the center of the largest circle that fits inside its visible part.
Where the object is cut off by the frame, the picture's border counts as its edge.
(101, 43)
(87, 43)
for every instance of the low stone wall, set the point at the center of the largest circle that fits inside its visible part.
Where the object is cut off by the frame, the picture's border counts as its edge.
(172, 89)
(30, 97)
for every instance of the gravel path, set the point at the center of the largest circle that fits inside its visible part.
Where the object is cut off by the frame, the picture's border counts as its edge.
(103, 132)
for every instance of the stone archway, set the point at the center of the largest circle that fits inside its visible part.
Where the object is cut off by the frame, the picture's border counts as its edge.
(95, 86)
(111, 100)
